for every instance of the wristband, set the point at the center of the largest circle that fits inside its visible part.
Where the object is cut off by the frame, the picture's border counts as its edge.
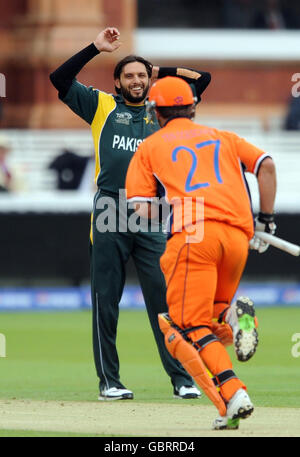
(265, 218)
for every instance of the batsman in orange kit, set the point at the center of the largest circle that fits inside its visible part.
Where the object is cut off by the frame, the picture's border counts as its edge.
(202, 170)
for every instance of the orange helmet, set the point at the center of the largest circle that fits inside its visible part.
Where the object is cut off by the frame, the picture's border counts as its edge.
(171, 91)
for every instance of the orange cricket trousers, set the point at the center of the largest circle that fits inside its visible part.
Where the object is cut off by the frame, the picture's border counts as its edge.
(202, 276)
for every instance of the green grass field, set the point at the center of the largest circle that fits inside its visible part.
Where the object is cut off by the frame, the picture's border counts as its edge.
(49, 357)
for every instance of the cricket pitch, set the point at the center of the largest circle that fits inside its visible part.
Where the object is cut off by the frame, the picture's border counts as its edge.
(133, 419)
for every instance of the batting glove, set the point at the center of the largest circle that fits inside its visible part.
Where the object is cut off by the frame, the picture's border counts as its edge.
(223, 332)
(263, 223)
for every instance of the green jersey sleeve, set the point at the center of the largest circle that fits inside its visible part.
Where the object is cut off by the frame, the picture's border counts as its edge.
(82, 100)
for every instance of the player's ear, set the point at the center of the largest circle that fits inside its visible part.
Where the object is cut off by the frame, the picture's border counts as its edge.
(193, 111)
(160, 118)
(117, 83)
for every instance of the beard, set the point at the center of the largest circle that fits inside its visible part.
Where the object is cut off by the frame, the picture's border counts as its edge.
(131, 98)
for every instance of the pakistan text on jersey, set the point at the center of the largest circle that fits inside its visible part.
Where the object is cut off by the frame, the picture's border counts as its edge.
(126, 143)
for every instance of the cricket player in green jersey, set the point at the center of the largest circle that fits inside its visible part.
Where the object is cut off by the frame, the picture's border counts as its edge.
(119, 123)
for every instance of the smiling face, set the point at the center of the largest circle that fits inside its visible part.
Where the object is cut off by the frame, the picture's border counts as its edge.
(133, 82)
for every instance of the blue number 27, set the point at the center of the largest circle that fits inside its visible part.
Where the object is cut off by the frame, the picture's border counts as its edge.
(188, 186)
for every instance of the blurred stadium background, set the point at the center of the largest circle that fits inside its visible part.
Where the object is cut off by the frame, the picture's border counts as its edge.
(45, 217)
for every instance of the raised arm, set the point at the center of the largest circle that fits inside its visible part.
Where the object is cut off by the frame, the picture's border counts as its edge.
(81, 99)
(63, 76)
(197, 79)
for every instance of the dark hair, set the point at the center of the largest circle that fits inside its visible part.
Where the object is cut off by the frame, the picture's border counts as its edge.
(175, 111)
(129, 59)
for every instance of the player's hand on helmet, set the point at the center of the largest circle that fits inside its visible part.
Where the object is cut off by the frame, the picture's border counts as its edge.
(264, 222)
(108, 40)
(154, 75)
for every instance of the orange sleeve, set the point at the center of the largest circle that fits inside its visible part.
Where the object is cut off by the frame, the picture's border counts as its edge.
(140, 181)
(250, 155)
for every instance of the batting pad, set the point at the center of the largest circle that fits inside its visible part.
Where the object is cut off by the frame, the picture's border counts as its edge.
(190, 359)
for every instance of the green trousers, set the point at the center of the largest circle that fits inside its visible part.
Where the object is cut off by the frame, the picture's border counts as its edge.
(110, 251)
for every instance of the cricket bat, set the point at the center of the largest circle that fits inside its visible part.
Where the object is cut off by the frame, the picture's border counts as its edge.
(279, 243)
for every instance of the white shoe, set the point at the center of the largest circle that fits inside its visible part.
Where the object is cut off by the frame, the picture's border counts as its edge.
(187, 392)
(238, 407)
(115, 394)
(241, 318)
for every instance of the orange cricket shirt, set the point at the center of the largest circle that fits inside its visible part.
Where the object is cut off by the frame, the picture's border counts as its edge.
(192, 160)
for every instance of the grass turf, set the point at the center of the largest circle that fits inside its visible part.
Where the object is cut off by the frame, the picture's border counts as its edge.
(49, 357)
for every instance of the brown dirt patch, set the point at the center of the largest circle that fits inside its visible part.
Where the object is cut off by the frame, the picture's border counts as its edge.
(133, 419)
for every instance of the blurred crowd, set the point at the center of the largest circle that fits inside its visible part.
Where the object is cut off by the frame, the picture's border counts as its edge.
(235, 14)
(269, 14)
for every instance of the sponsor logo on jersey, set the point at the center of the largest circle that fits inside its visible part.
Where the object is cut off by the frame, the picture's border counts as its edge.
(126, 143)
(123, 118)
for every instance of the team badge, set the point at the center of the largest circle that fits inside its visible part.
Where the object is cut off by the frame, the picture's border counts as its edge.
(123, 118)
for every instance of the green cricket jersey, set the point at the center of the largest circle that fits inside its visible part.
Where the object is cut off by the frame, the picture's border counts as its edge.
(117, 127)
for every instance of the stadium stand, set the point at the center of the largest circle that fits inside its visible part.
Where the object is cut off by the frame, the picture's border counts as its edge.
(33, 150)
